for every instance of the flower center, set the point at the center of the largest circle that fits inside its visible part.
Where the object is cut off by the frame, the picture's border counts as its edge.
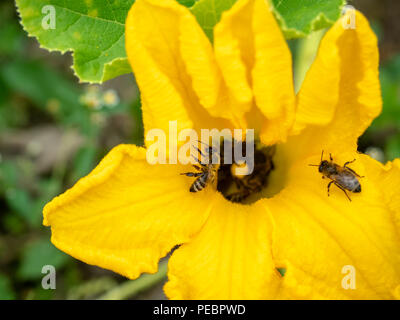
(247, 186)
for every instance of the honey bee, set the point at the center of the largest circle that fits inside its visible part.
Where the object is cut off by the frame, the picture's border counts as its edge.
(344, 177)
(207, 172)
(248, 184)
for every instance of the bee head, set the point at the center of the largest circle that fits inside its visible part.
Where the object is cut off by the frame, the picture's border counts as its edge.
(323, 165)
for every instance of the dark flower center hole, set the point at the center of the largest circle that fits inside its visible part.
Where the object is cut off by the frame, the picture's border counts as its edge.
(241, 188)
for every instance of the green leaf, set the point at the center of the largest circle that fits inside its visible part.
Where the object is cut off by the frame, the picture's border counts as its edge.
(389, 76)
(21, 202)
(38, 254)
(137, 116)
(6, 292)
(13, 224)
(40, 83)
(208, 13)
(84, 161)
(115, 68)
(306, 51)
(8, 174)
(48, 89)
(38, 293)
(187, 3)
(10, 36)
(298, 18)
(392, 148)
(93, 29)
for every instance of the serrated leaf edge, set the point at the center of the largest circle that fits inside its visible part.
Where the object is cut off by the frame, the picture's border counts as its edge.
(41, 46)
(292, 33)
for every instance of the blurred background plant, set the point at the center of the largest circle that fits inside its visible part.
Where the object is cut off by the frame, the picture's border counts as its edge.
(54, 130)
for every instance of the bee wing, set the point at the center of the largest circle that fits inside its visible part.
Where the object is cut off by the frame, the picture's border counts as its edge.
(346, 179)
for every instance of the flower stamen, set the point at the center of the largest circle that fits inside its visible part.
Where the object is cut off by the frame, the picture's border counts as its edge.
(239, 188)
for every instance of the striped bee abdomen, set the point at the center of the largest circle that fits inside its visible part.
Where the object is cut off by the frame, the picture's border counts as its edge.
(200, 183)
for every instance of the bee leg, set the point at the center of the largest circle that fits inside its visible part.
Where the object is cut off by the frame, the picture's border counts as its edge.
(198, 161)
(214, 150)
(203, 156)
(239, 184)
(238, 196)
(209, 150)
(329, 185)
(337, 185)
(348, 162)
(254, 185)
(200, 151)
(192, 174)
(233, 197)
(212, 153)
(241, 194)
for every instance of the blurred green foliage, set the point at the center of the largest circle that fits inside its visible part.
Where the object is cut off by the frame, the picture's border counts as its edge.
(384, 133)
(38, 92)
(390, 117)
(6, 292)
(33, 256)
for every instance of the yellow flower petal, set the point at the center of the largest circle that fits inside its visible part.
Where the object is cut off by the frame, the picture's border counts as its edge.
(199, 60)
(154, 61)
(230, 258)
(127, 214)
(319, 93)
(198, 56)
(390, 183)
(205, 74)
(157, 32)
(234, 52)
(254, 59)
(272, 75)
(342, 87)
(319, 239)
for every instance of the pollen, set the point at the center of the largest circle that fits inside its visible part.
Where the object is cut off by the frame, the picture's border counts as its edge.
(243, 182)
(240, 169)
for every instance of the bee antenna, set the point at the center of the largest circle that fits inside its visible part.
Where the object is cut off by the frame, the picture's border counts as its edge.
(322, 155)
(202, 142)
(314, 165)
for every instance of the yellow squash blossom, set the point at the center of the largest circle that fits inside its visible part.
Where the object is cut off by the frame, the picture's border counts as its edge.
(127, 214)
